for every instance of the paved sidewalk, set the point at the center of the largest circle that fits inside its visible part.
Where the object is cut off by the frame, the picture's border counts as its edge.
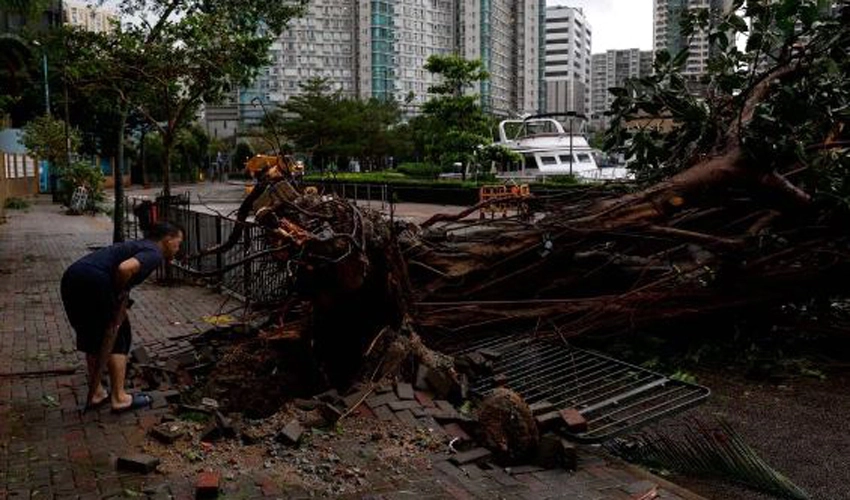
(49, 450)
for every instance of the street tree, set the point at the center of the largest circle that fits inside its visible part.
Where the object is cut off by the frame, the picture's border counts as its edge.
(44, 137)
(454, 124)
(170, 56)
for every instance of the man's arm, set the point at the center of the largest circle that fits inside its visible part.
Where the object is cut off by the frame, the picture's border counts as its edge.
(126, 271)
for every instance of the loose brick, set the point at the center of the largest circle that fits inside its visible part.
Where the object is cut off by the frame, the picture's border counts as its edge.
(474, 455)
(455, 431)
(381, 399)
(207, 485)
(143, 464)
(384, 414)
(404, 390)
(576, 423)
(403, 405)
(444, 405)
(407, 418)
(424, 398)
(291, 433)
(167, 433)
(549, 421)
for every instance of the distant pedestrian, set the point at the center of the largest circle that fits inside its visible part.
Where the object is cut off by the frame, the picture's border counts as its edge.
(92, 290)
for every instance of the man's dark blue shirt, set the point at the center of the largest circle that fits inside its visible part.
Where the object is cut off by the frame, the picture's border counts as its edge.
(106, 260)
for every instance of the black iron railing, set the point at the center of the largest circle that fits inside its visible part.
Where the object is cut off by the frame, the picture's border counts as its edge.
(259, 282)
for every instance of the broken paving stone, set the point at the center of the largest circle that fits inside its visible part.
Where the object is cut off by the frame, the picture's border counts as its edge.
(331, 396)
(424, 398)
(291, 433)
(140, 355)
(384, 414)
(330, 413)
(444, 405)
(380, 400)
(207, 485)
(167, 433)
(474, 455)
(549, 421)
(404, 390)
(575, 421)
(541, 407)
(407, 418)
(454, 430)
(383, 388)
(403, 405)
(143, 464)
(354, 398)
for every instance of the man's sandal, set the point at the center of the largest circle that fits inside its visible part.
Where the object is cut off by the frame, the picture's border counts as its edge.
(140, 400)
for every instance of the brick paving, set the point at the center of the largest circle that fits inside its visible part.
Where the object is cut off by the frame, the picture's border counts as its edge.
(49, 450)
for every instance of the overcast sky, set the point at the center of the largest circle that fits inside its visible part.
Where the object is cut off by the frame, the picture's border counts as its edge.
(616, 24)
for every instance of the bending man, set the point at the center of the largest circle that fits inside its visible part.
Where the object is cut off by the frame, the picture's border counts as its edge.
(91, 288)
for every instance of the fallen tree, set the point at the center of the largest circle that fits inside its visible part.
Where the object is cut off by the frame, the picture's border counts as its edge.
(742, 206)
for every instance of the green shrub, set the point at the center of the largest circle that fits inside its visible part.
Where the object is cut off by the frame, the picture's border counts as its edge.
(563, 180)
(17, 204)
(85, 175)
(420, 170)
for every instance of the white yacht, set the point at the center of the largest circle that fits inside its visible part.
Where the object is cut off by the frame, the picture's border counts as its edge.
(548, 150)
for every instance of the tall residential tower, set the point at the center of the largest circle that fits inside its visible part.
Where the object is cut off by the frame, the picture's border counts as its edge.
(668, 36)
(567, 72)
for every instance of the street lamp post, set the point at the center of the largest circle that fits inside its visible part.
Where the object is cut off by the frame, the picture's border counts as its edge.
(46, 81)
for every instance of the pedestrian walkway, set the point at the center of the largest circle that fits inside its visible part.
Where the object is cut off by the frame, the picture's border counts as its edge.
(48, 449)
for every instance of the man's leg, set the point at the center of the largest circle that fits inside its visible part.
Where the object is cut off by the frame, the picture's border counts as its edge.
(100, 394)
(117, 365)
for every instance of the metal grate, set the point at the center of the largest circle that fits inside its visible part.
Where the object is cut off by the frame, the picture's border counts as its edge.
(614, 397)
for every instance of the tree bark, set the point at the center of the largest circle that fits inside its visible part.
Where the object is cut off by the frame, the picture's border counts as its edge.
(167, 145)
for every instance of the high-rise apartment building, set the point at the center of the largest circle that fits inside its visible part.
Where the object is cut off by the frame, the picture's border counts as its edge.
(612, 69)
(505, 35)
(88, 16)
(668, 36)
(378, 49)
(567, 73)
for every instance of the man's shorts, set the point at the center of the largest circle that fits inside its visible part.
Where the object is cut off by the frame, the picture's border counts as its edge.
(90, 304)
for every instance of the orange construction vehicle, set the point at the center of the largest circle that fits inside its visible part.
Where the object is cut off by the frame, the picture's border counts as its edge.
(277, 167)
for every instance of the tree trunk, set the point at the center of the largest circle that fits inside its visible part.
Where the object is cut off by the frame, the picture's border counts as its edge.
(118, 177)
(167, 145)
(144, 159)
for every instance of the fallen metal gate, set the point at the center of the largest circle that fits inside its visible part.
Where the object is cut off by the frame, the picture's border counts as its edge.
(614, 397)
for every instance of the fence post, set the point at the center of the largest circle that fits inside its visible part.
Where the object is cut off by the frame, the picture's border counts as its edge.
(218, 256)
(246, 267)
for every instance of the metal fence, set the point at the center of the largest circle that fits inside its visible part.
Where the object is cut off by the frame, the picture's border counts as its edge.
(259, 282)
